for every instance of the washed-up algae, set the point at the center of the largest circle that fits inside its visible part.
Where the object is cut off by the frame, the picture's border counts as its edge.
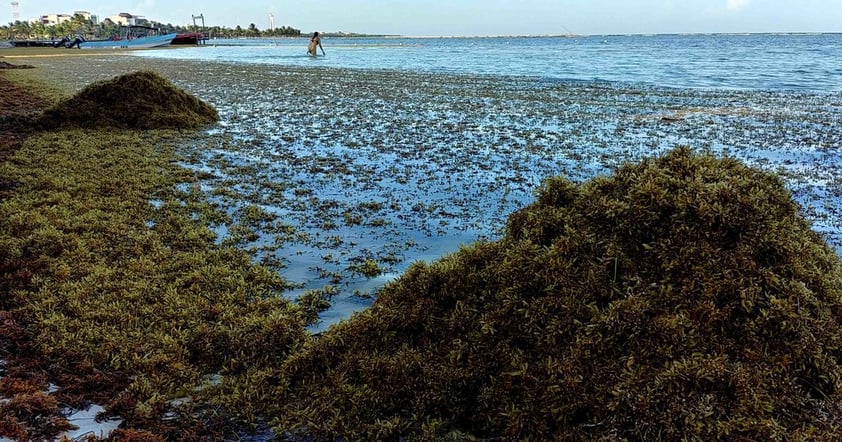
(680, 298)
(114, 291)
(19, 107)
(139, 100)
(7, 65)
(683, 297)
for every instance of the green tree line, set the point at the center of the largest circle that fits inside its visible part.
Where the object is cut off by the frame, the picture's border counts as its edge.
(79, 25)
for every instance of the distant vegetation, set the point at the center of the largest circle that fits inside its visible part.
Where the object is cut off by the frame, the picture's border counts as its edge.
(354, 34)
(79, 25)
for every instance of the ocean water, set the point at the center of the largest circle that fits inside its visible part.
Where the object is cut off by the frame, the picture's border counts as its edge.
(400, 150)
(805, 62)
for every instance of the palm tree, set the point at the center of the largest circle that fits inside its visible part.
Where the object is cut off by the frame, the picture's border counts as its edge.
(253, 31)
(80, 25)
(38, 30)
(21, 30)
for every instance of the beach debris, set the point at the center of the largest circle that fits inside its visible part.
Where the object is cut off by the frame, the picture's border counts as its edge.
(139, 100)
(673, 117)
(683, 296)
(7, 65)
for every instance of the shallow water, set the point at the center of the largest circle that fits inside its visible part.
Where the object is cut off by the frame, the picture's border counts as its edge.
(750, 62)
(398, 165)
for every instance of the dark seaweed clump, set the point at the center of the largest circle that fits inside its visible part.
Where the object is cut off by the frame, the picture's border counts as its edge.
(140, 100)
(6, 65)
(683, 297)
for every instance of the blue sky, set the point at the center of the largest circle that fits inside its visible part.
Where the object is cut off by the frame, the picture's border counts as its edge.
(476, 17)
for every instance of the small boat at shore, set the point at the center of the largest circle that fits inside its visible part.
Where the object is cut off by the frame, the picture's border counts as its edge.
(114, 43)
(146, 42)
(130, 37)
(190, 38)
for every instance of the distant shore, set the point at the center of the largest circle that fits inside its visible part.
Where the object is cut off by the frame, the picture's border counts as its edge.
(340, 35)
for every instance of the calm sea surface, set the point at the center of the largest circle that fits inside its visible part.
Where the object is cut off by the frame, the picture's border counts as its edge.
(805, 62)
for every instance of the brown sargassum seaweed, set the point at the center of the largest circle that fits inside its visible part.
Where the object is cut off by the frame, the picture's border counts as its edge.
(682, 297)
(139, 100)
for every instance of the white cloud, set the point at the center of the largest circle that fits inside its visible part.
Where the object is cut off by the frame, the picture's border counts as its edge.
(736, 5)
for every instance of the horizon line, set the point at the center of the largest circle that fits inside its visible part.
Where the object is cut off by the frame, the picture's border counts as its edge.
(569, 35)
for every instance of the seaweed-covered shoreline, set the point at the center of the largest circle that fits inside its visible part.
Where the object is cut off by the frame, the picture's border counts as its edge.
(339, 179)
(358, 173)
(113, 300)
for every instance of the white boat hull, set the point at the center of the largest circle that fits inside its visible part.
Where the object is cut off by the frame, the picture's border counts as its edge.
(135, 43)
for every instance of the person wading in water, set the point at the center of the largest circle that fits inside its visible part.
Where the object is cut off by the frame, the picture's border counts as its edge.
(314, 42)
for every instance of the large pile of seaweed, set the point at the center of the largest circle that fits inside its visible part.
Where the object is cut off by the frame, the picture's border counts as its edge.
(140, 100)
(683, 297)
(19, 107)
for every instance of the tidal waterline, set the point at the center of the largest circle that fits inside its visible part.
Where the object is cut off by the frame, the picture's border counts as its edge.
(325, 171)
(806, 62)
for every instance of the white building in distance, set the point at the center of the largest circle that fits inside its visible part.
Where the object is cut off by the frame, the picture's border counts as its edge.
(56, 19)
(126, 19)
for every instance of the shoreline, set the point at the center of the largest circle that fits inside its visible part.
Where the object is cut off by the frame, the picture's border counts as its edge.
(559, 35)
(287, 123)
(625, 61)
(327, 180)
(95, 281)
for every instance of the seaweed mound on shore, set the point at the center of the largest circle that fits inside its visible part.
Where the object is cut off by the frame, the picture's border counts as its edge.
(140, 100)
(680, 298)
(6, 65)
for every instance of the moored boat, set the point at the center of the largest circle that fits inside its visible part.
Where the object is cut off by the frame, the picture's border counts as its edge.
(153, 41)
(190, 38)
(129, 37)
